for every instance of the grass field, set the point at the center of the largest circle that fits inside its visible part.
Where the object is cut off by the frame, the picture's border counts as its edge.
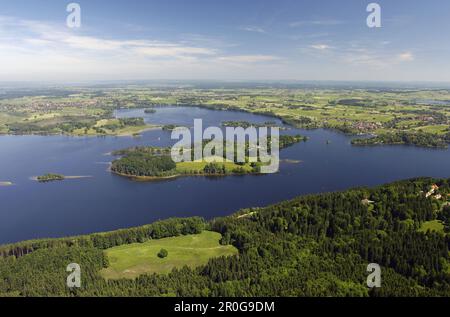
(132, 260)
(198, 166)
(434, 225)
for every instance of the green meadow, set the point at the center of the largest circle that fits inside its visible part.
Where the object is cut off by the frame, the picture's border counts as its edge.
(198, 166)
(132, 260)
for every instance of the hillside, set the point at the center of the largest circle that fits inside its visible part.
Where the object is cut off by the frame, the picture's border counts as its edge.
(315, 245)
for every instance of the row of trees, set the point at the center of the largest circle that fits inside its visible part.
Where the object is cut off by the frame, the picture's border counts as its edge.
(409, 138)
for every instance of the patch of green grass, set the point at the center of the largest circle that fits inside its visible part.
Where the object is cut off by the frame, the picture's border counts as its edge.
(132, 260)
(437, 129)
(434, 225)
(198, 166)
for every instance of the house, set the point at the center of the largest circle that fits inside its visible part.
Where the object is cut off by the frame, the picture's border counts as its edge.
(434, 187)
(367, 201)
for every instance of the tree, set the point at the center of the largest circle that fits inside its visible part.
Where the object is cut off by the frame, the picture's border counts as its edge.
(163, 253)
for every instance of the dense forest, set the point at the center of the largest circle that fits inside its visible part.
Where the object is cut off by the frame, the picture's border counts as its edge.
(139, 164)
(314, 245)
(408, 138)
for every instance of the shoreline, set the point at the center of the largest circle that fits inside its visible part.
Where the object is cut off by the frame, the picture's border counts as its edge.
(169, 177)
(400, 144)
(285, 121)
(144, 178)
(75, 135)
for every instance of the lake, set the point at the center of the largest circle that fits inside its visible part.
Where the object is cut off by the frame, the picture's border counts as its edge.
(30, 210)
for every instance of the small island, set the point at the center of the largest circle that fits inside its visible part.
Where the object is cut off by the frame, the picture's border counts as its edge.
(52, 177)
(4, 184)
(290, 161)
(154, 163)
(150, 110)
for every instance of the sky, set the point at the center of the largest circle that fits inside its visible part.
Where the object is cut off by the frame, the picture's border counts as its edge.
(231, 40)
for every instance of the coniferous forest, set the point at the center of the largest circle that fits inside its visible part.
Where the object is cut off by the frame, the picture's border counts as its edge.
(315, 245)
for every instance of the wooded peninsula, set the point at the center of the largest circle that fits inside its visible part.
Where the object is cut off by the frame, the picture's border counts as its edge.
(314, 245)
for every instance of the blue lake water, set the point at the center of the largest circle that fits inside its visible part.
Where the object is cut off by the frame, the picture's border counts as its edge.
(31, 210)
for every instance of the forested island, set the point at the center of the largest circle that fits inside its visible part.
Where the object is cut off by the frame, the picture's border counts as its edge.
(406, 138)
(151, 163)
(313, 245)
(50, 177)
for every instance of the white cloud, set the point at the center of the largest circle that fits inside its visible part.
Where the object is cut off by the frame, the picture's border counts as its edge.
(253, 29)
(248, 58)
(172, 50)
(34, 50)
(31, 48)
(406, 57)
(376, 59)
(357, 54)
(90, 43)
(320, 47)
(368, 59)
(327, 22)
(25, 33)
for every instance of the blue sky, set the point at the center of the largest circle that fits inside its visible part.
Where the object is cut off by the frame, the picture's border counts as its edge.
(225, 40)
